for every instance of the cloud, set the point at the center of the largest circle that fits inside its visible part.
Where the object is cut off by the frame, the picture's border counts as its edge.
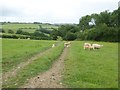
(10, 12)
(53, 10)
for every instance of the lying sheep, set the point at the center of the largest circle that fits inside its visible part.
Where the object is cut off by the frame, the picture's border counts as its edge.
(97, 46)
(92, 46)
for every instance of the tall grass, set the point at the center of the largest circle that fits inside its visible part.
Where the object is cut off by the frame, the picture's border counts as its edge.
(37, 66)
(16, 51)
(92, 68)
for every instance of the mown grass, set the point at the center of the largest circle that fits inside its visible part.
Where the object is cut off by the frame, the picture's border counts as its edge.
(92, 68)
(25, 27)
(15, 51)
(37, 66)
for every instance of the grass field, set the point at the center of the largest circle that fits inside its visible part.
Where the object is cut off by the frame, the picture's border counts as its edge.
(16, 51)
(92, 69)
(39, 65)
(83, 68)
(26, 27)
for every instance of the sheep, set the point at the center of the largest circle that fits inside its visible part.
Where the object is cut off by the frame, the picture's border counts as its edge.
(92, 46)
(28, 38)
(87, 45)
(67, 44)
(53, 45)
(97, 46)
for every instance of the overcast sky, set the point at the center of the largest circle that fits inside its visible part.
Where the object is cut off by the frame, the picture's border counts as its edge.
(52, 11)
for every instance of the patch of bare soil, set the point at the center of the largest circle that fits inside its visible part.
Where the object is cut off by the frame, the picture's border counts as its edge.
(51, 78)
(14, 71)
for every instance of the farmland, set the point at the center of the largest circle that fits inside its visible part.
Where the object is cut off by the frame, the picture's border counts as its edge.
(28, 27)
(16, 51)
(92, 69)
(82, 68)
(39, 65)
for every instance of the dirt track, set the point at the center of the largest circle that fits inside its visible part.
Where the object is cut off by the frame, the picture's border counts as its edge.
(14, 71)
(51, 78)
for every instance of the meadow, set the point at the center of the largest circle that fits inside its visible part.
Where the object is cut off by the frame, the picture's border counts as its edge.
(91, 68)
(28, 27)
(39, 65)
(15, 51)
(83, 68)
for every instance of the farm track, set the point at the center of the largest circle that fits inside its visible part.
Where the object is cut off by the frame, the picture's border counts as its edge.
(51, 78)
(14, 71)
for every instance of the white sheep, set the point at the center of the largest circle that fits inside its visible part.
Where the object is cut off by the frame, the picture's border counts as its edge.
(97, 46)
(67, 44)
(53, 45)
(28, 38)
(87, 45)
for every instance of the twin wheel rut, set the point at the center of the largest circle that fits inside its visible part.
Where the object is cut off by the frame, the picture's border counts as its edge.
(48, 79)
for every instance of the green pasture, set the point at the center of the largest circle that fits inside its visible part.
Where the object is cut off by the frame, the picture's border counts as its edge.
(28, 27)
(15, 51)
(37, 66)
(83, 68)
(91, 68)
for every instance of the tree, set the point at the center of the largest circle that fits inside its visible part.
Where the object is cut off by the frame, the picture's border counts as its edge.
(70, 36)
(84, 22)
(54, 34)
(104, 17)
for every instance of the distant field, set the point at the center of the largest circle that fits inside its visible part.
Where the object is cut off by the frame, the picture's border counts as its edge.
(26, 27)
(92, 69)
(15, 51)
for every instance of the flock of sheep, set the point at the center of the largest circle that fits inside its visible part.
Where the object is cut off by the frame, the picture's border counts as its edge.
(86, 46)
(92, 46)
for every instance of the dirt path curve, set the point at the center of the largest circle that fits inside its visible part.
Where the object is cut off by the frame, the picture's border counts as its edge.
(14, 71)
(50, 78)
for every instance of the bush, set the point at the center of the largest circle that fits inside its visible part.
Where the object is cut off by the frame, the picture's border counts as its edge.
(10, 31)
(19, 31)
(14, 36)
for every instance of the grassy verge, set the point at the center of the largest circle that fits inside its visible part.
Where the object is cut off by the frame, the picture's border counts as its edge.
(36, 67)
(92, 69)
(15, 51)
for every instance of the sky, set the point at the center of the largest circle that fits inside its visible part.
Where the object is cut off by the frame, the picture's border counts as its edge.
(52, 11)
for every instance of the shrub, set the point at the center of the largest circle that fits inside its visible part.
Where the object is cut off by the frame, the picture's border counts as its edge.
(10, 31)
(19, 31)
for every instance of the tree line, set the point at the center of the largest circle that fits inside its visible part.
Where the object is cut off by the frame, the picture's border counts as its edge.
(99, 27)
